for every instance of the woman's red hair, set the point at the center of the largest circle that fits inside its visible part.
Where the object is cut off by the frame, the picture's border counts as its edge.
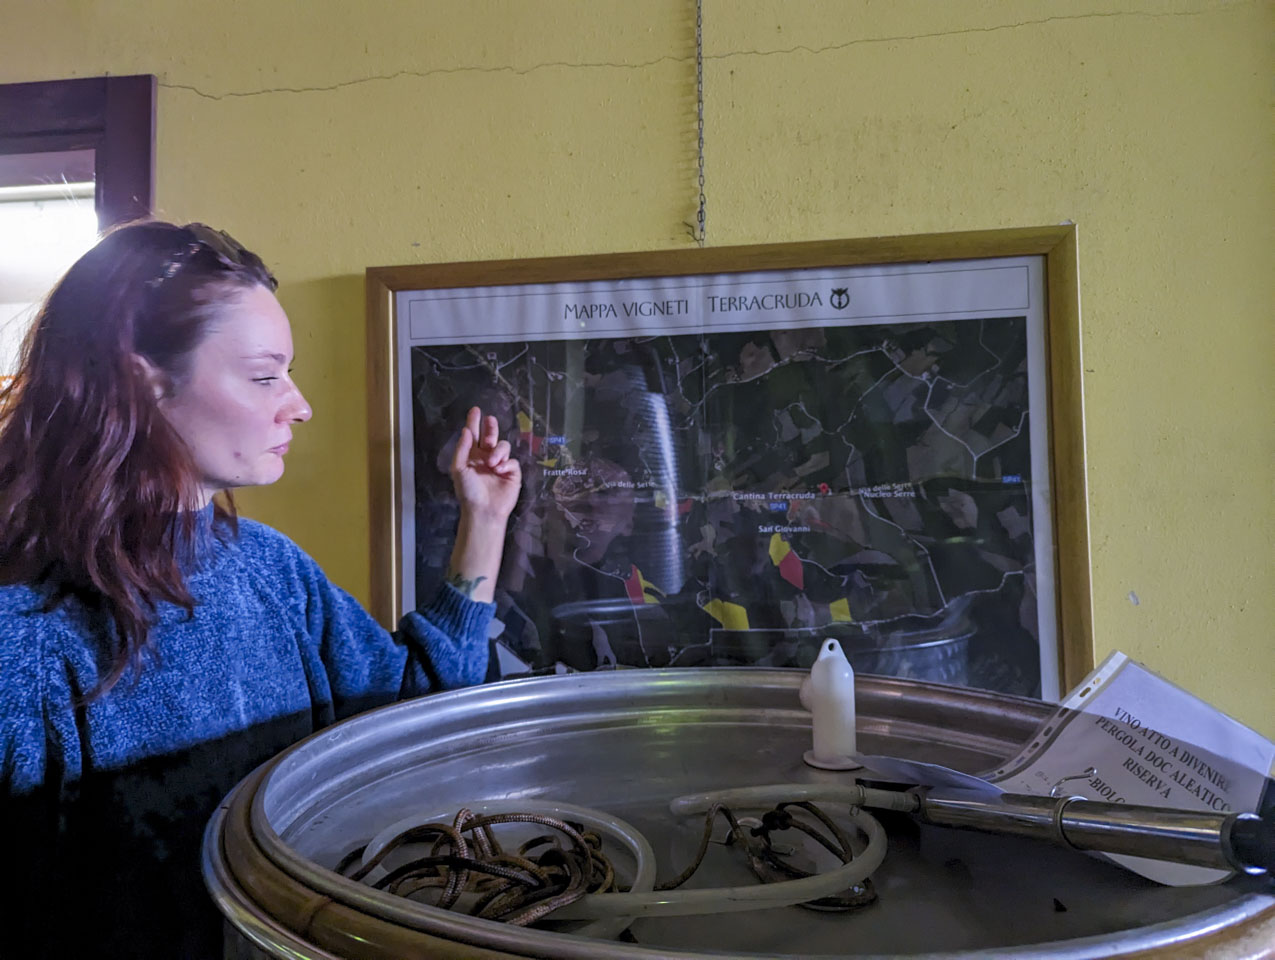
(97, 492)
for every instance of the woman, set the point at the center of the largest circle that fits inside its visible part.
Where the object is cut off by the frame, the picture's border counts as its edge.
(154, 649)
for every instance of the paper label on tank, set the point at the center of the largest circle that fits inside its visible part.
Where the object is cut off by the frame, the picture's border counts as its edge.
(1127, 735)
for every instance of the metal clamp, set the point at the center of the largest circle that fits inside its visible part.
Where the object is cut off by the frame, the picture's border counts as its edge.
(1056, 821)
(1056, 789)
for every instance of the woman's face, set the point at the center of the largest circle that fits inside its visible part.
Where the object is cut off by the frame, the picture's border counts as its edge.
(236, 406)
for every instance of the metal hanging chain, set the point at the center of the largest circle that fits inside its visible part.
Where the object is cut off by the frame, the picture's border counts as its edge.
(700, 234)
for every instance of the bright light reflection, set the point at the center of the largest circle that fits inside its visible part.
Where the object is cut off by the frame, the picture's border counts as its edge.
(39, 240)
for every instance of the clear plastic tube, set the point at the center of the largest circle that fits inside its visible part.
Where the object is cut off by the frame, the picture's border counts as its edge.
(678, 903)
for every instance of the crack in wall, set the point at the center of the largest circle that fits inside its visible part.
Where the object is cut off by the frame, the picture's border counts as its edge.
(800, 48)
(516, 71)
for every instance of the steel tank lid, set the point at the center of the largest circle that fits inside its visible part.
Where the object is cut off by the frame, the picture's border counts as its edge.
(629, 741)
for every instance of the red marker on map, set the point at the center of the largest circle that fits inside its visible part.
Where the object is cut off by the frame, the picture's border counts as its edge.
(789, 563)
(639, 589)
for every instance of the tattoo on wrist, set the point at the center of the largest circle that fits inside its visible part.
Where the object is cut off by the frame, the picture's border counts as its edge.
(466, 585)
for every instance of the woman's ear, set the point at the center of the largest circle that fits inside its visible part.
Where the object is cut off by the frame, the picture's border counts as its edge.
(157, 380)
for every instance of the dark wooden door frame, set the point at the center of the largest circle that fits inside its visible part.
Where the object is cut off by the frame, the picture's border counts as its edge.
(114, 116)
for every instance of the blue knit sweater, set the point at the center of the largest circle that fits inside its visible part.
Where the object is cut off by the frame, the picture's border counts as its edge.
(106, 801)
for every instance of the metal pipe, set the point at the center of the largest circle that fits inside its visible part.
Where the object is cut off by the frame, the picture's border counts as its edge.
(1231, 841)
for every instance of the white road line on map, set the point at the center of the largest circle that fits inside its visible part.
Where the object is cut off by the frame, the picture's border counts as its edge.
(928, 559)
(637, 622)
(930, 413)
(982, 325)
(456, 366)
(1006, 440)
(526, 348)
(783, 363)
(816, 563)
(939, 612)
(863, 396)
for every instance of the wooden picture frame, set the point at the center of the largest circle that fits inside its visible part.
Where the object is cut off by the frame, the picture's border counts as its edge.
(1056, 245)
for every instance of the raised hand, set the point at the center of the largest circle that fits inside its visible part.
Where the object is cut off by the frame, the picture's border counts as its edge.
(487, 482)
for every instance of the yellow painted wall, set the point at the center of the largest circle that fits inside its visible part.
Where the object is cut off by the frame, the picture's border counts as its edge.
(331, 136)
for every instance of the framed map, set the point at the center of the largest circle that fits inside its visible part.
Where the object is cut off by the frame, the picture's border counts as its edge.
(731, 455)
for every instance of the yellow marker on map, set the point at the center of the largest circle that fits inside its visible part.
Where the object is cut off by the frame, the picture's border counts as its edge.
(524, 423)
(840, 610)
(730, 615)
(778, 549)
